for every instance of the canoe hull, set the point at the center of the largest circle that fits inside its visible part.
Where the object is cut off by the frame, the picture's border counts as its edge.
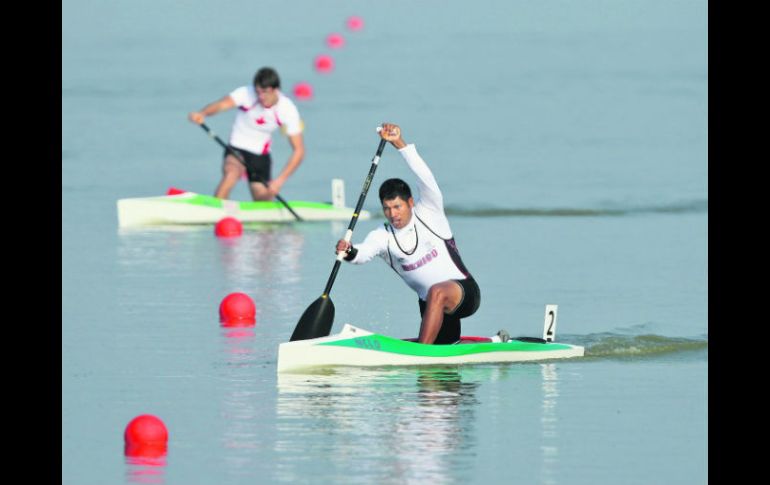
(192, 208)
(354, 346)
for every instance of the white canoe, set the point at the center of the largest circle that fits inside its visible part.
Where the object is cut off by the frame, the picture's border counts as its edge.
(355, 346)
(193, 208)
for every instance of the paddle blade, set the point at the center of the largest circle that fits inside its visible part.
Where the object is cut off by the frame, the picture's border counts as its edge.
(316, 321)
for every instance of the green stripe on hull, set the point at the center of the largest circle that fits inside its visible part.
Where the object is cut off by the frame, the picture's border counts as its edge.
(211, 201)
(397, 346)
(202, 200)
(294, 204)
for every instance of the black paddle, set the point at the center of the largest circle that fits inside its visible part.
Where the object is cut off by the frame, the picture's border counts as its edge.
(239, 157)
(319, 316)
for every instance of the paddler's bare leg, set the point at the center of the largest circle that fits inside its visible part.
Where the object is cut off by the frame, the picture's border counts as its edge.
(444, 296)
(259, 191)
(232, 170)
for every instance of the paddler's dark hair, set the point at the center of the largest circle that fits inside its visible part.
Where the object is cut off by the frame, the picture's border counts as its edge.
(392, 188)
(267, 77)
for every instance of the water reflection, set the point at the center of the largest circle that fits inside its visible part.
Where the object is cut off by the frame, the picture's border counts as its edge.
(165, 248)
(264, 251)
(432, 427)
(418, 424)
(269, 257)
(271, 251)
(263, 262)
(549, 419)
(240, 406)
(415, 420)
(145, 464)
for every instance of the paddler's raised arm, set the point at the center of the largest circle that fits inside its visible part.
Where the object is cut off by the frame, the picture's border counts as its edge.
(429, 192)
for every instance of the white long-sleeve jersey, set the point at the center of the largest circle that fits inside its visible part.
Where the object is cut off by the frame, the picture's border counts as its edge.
(423, 252)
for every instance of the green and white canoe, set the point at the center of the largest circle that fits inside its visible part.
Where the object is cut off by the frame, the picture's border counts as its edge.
(354, 346)
(184, 207)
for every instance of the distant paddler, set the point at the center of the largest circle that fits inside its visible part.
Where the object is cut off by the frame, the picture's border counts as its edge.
(262, 109)
(418, 244)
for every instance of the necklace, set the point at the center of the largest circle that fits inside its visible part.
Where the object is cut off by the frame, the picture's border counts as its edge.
(416, 241)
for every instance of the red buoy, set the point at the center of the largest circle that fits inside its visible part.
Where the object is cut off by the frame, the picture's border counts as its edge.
(355, 23)
(303, 91)
(335, 41)
(228, 227)
(146, 430)
(146, 454)
(237, 310)
(324, 63)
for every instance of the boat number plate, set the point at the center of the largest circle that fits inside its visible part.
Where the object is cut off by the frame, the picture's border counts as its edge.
(367, 343)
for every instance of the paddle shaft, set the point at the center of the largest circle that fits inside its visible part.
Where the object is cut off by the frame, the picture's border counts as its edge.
(239, 157)
(354, 219)
(319, 316)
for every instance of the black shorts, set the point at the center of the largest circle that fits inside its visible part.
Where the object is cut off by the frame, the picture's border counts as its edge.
(257, 166)
(450, 326)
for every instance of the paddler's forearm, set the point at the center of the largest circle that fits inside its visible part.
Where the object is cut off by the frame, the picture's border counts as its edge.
(373, 244)
(211, 109)
(426, 183)
(297, 154)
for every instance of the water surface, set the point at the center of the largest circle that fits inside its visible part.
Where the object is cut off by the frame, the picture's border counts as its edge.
(570, 140)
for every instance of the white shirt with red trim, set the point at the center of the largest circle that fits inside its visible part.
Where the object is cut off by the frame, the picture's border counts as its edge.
(420, 252)
(254, 124)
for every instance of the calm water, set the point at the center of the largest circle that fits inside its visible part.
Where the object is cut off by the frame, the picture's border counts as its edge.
(570, 139)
